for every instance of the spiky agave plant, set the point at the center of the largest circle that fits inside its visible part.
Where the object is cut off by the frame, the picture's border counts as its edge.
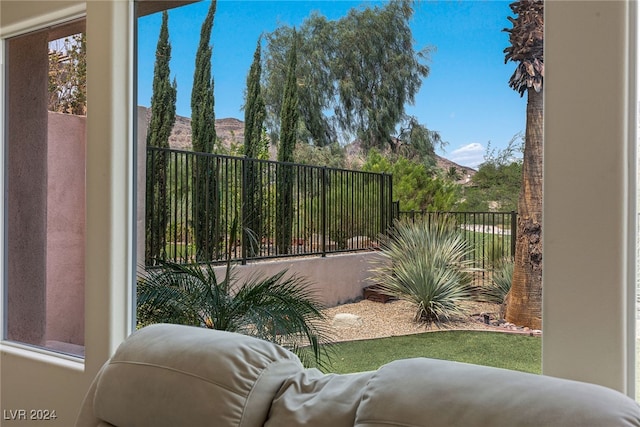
(427, 263)
(496, 290)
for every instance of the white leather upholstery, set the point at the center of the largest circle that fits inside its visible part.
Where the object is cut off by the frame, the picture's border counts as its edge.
(170, 375)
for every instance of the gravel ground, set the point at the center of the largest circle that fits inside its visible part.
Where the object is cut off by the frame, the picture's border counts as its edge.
(396, 318)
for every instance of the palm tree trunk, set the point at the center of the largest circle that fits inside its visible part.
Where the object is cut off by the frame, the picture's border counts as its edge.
(524, 302)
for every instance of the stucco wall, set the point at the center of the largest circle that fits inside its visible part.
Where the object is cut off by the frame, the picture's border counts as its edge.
(335, 279)
(26, 150)
(66, 228)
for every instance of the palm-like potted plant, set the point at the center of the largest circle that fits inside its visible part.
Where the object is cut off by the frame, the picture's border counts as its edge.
(280, 308)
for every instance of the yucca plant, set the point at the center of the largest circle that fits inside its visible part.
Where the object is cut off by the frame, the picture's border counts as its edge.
(280, 308)
(428, 263)
(493, 250)
(496, 290)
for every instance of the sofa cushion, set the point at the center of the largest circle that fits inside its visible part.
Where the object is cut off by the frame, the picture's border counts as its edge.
(171, 375)
(437, 393)
(311, 398)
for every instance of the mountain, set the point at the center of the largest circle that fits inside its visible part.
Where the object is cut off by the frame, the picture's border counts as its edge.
(231, 131)
(228, 130)
(465, 172)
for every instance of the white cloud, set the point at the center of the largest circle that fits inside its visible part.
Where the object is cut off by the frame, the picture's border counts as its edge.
(469, 155)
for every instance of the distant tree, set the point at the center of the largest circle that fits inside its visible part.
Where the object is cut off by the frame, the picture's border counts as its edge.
(415, 141)
(453, 173)
(332, 155)
(68, 75)
(254, 109)
(526, 38)
(316, 39)
(415, 186)
(288, 138)
(498, 180)
(377, 70)
(254, 115)
(362, 67)
(206, 203)
(163, 117)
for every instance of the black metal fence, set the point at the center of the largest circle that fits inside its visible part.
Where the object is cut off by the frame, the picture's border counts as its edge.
(492, 235)
(205, 208)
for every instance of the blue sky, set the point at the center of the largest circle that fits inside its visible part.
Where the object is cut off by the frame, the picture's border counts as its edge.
(466, 96)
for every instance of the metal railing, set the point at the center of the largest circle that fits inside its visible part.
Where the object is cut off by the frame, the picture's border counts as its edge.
(206, 207)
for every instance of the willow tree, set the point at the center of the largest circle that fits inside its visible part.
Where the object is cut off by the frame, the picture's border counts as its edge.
(355, 74)
(254, 115)
(316, 91)
(288, 136)
(378, 71)
(524, 303)
(206, 202)
(163, 117)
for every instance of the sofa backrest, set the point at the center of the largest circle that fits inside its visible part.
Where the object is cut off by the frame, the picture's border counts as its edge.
(171, 375)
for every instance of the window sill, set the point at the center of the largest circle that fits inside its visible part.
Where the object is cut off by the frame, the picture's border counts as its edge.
(43, 355)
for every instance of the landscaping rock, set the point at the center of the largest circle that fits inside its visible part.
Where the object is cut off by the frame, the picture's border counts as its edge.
(346, 320)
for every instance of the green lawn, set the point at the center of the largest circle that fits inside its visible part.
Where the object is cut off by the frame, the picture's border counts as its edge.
(517, 352)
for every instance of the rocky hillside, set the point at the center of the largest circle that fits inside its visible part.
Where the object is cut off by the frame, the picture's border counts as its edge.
(231, 131)
(228, 130)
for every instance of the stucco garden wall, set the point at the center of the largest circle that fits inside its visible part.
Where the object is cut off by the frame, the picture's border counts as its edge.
(336, 279)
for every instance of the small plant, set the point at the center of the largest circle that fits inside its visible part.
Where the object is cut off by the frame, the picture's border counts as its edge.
(279, 308)
(494, 250)
(498, 287)
(428, 263)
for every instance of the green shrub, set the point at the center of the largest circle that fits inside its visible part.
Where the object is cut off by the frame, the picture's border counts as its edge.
(280, 308)
(495, 249)
(498, 287)
(427, 263)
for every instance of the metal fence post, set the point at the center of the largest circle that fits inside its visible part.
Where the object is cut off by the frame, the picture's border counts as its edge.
(244, 237)
(383, 218)
(514, 232)
(323, 209)
(390, 200)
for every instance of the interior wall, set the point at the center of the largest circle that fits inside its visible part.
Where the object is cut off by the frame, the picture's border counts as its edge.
(587, 174)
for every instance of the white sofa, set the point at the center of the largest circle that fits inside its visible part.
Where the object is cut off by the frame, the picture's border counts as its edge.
(169, 375)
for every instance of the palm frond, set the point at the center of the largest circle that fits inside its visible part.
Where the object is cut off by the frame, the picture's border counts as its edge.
(281, 308)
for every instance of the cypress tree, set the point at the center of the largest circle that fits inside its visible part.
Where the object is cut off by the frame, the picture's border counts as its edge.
(254, 115)
(255, 110)
(205, 186)
(288, 137)
(163, 117)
